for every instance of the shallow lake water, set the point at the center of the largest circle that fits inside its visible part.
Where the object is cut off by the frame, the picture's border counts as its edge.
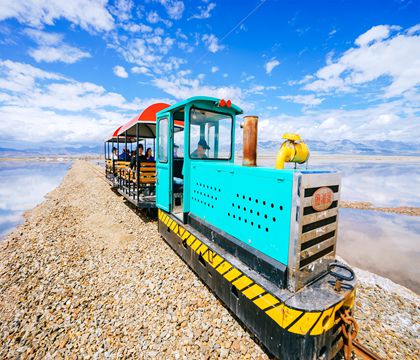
(23, 185)
(383, 243)
(384, 184)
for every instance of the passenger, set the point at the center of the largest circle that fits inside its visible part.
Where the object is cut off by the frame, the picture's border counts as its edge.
(140, 155)
(125, 155)
(200, 152)
(176, 147)
(114, 154)
(149, 156)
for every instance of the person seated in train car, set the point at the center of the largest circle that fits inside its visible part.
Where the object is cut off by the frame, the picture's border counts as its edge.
(141, 156)
(133, 154)
(200, 152)
(176, 147)
(124, 155)
(114, 153)
(149, 155)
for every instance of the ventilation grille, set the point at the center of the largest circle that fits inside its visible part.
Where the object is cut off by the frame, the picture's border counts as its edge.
(254, 212)
(318, 231)
(205, 194)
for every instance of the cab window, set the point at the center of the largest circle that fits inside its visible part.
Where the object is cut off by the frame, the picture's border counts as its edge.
(210, 135)
(163, 140)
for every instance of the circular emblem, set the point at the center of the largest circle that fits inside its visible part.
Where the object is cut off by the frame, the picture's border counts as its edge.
(322, 198)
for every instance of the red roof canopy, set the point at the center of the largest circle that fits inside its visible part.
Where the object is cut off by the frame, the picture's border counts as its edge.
(147, 118)
(113, 135)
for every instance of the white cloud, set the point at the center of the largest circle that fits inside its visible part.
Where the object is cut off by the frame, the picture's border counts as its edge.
(309, 100)
(44, 38)
(38, 106)
(174, 8)
(376, 33)
(53, 49)
(391, 121)
(204, 12)
(214, 69)
(270, 65)
(182, 87)
(90, 15)
(212, 43)
(64, 53)
(138, 28)
(378, 55)
(150, 52)
(140, 70)
(122, 9)
(120, 71)
(153, 18)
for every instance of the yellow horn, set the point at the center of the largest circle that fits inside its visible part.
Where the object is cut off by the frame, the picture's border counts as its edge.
(292, 150)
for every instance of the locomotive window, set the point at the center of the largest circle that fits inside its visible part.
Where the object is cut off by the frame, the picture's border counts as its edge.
(210, 135)
(163, 140)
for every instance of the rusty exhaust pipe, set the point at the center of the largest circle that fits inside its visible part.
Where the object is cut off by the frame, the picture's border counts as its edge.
(250, 127)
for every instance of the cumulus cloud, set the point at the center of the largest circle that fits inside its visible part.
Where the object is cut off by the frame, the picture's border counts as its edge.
(270, 65)
(120, 71)
(174, 8)
(63, 53)
(308, 100)
(53, 49)
(181, 87)
(394, 120)
(214, 69)
(36, 106)
(204, 12)
(90, 15)
(381, 52)
(140, 70)
(376, 33)
(122, 9)
(212, 43)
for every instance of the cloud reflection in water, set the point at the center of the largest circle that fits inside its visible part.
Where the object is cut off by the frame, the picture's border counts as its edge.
(383, 243)
(23, 185)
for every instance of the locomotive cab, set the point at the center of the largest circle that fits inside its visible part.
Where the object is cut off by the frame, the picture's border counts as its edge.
(262, 239)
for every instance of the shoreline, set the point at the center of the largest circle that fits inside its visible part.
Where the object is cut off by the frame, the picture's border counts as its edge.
(74, 258)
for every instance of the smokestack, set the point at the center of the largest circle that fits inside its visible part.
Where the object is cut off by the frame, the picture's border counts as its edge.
(250, 127)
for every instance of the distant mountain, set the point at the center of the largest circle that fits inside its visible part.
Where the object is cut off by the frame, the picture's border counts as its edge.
(52, 151)
(348, 147)
(345, 147)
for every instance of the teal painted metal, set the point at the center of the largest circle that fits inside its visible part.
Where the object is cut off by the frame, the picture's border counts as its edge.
(252, 204)
(197, 100)
(163, 165)
(164, 180)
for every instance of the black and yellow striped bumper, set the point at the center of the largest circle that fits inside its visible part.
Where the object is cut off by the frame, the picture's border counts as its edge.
(287, 331)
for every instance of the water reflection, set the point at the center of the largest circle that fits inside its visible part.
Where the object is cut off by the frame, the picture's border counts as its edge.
(383, 243)
(23, 185)
(388, 184)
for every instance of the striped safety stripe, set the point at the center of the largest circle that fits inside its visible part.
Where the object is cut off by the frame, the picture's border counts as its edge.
(293, 320)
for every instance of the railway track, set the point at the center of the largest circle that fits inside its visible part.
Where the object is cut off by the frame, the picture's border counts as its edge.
(354, 347)
(363, 352)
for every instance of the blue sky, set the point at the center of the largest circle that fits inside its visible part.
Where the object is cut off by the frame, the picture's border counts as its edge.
(72, 71)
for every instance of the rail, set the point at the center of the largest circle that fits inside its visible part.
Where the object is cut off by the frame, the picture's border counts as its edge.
(351, 345)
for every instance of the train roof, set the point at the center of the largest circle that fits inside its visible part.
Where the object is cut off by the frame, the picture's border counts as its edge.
(147, 121)
(198, 99)
(113, 135)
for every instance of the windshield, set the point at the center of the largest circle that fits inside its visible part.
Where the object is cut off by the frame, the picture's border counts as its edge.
(210, 135)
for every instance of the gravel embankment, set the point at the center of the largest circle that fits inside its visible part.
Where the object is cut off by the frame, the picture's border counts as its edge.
(86, 277)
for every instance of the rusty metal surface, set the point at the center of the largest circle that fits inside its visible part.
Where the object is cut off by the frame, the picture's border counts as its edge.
(363, 352)
(250, 129)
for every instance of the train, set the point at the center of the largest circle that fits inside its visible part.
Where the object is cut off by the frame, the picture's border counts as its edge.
(263, 239)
